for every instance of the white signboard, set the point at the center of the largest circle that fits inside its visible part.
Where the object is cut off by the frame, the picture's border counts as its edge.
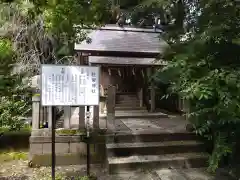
(69, 85)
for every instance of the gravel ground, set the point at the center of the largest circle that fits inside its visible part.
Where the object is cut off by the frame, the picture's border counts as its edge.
(19, 170)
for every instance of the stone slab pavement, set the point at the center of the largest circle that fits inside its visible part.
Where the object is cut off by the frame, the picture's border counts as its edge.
(19, 168)
(166, 174)
(162, 125)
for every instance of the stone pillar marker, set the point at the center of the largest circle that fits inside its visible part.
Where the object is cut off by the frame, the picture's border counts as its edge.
(67, 117)
(35, 111)
(41, 115)
(111, 98)
(49, 117)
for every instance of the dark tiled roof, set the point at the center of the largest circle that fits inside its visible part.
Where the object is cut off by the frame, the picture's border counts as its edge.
(124, 60)
(126, 39)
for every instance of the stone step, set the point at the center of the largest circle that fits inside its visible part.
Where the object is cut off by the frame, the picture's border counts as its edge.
(128, 103)
(150, 136)
(126, 93)
(139, 115)
(129, 108)
(126, 98)
(134, 96)
(132, 111)
(184, 160)
(153, 148)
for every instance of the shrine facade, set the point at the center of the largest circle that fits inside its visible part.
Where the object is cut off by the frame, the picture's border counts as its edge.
(127, 59)
(126, 56)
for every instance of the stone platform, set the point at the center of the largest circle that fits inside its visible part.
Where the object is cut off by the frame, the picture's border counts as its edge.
(153, 143)
(171, 124)
(70, 149)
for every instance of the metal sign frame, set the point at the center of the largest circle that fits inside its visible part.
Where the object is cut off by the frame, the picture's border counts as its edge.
(85, 66)
(54, 115)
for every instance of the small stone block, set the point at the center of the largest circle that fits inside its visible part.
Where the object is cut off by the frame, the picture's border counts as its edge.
(36, 148)
(47, 148)
(62, 148)
(78, 148)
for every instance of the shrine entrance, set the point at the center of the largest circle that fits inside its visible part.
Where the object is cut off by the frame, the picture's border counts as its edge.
(127, 58)
(127, 79)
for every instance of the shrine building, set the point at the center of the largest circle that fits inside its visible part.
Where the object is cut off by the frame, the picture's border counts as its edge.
(126, 56)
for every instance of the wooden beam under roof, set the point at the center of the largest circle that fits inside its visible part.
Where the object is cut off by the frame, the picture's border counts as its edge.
(126, 61)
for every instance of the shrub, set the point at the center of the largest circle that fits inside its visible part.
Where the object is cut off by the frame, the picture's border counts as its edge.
(12, 112)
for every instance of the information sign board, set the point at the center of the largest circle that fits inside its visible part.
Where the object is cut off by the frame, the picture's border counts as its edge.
(63, 85)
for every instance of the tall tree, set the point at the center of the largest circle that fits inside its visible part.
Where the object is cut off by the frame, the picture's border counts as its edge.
(9, 81)
(203, 68)
(45, 31)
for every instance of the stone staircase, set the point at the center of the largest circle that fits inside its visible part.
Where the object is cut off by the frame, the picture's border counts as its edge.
(150, 151)
(128, 151)
(128, 106)
(128, 101)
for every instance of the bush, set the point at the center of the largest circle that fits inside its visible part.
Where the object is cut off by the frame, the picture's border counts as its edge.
(203, 68)
(12, 112)
(15, 139)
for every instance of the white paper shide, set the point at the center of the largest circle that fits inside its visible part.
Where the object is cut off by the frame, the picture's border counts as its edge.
(69, 85)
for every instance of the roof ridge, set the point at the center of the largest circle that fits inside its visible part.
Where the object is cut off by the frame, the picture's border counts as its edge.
(111, 27)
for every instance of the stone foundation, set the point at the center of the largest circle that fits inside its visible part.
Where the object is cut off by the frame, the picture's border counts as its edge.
(70, 149)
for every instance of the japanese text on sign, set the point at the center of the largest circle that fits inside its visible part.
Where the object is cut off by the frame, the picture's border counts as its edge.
(69, 85)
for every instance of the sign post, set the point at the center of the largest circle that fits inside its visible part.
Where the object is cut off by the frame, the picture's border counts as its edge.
(88, 144)
(53, 141)
(63, 85)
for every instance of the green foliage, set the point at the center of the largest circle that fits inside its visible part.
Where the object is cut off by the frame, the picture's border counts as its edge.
(7, 79)
(13, 155)
(47, 31)
(203, 68)
(25, 130)
(12, 108)
(60, 18)
(12, 112)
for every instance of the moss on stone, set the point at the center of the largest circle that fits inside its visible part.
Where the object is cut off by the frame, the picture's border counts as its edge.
(70, 132)
(38, 160)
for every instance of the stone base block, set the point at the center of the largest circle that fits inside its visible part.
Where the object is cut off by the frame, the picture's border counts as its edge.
(69, 150)
(63, 159)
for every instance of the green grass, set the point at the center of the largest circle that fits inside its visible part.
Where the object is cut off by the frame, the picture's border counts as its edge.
(10, 155)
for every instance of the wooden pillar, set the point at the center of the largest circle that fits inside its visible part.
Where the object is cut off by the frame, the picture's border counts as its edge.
(101, 103)
(81, 108)
(35, 111)
(150, 72)
(153, 95)
(141, 97)
(95, 117)
(96, 109)
(111, 98)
